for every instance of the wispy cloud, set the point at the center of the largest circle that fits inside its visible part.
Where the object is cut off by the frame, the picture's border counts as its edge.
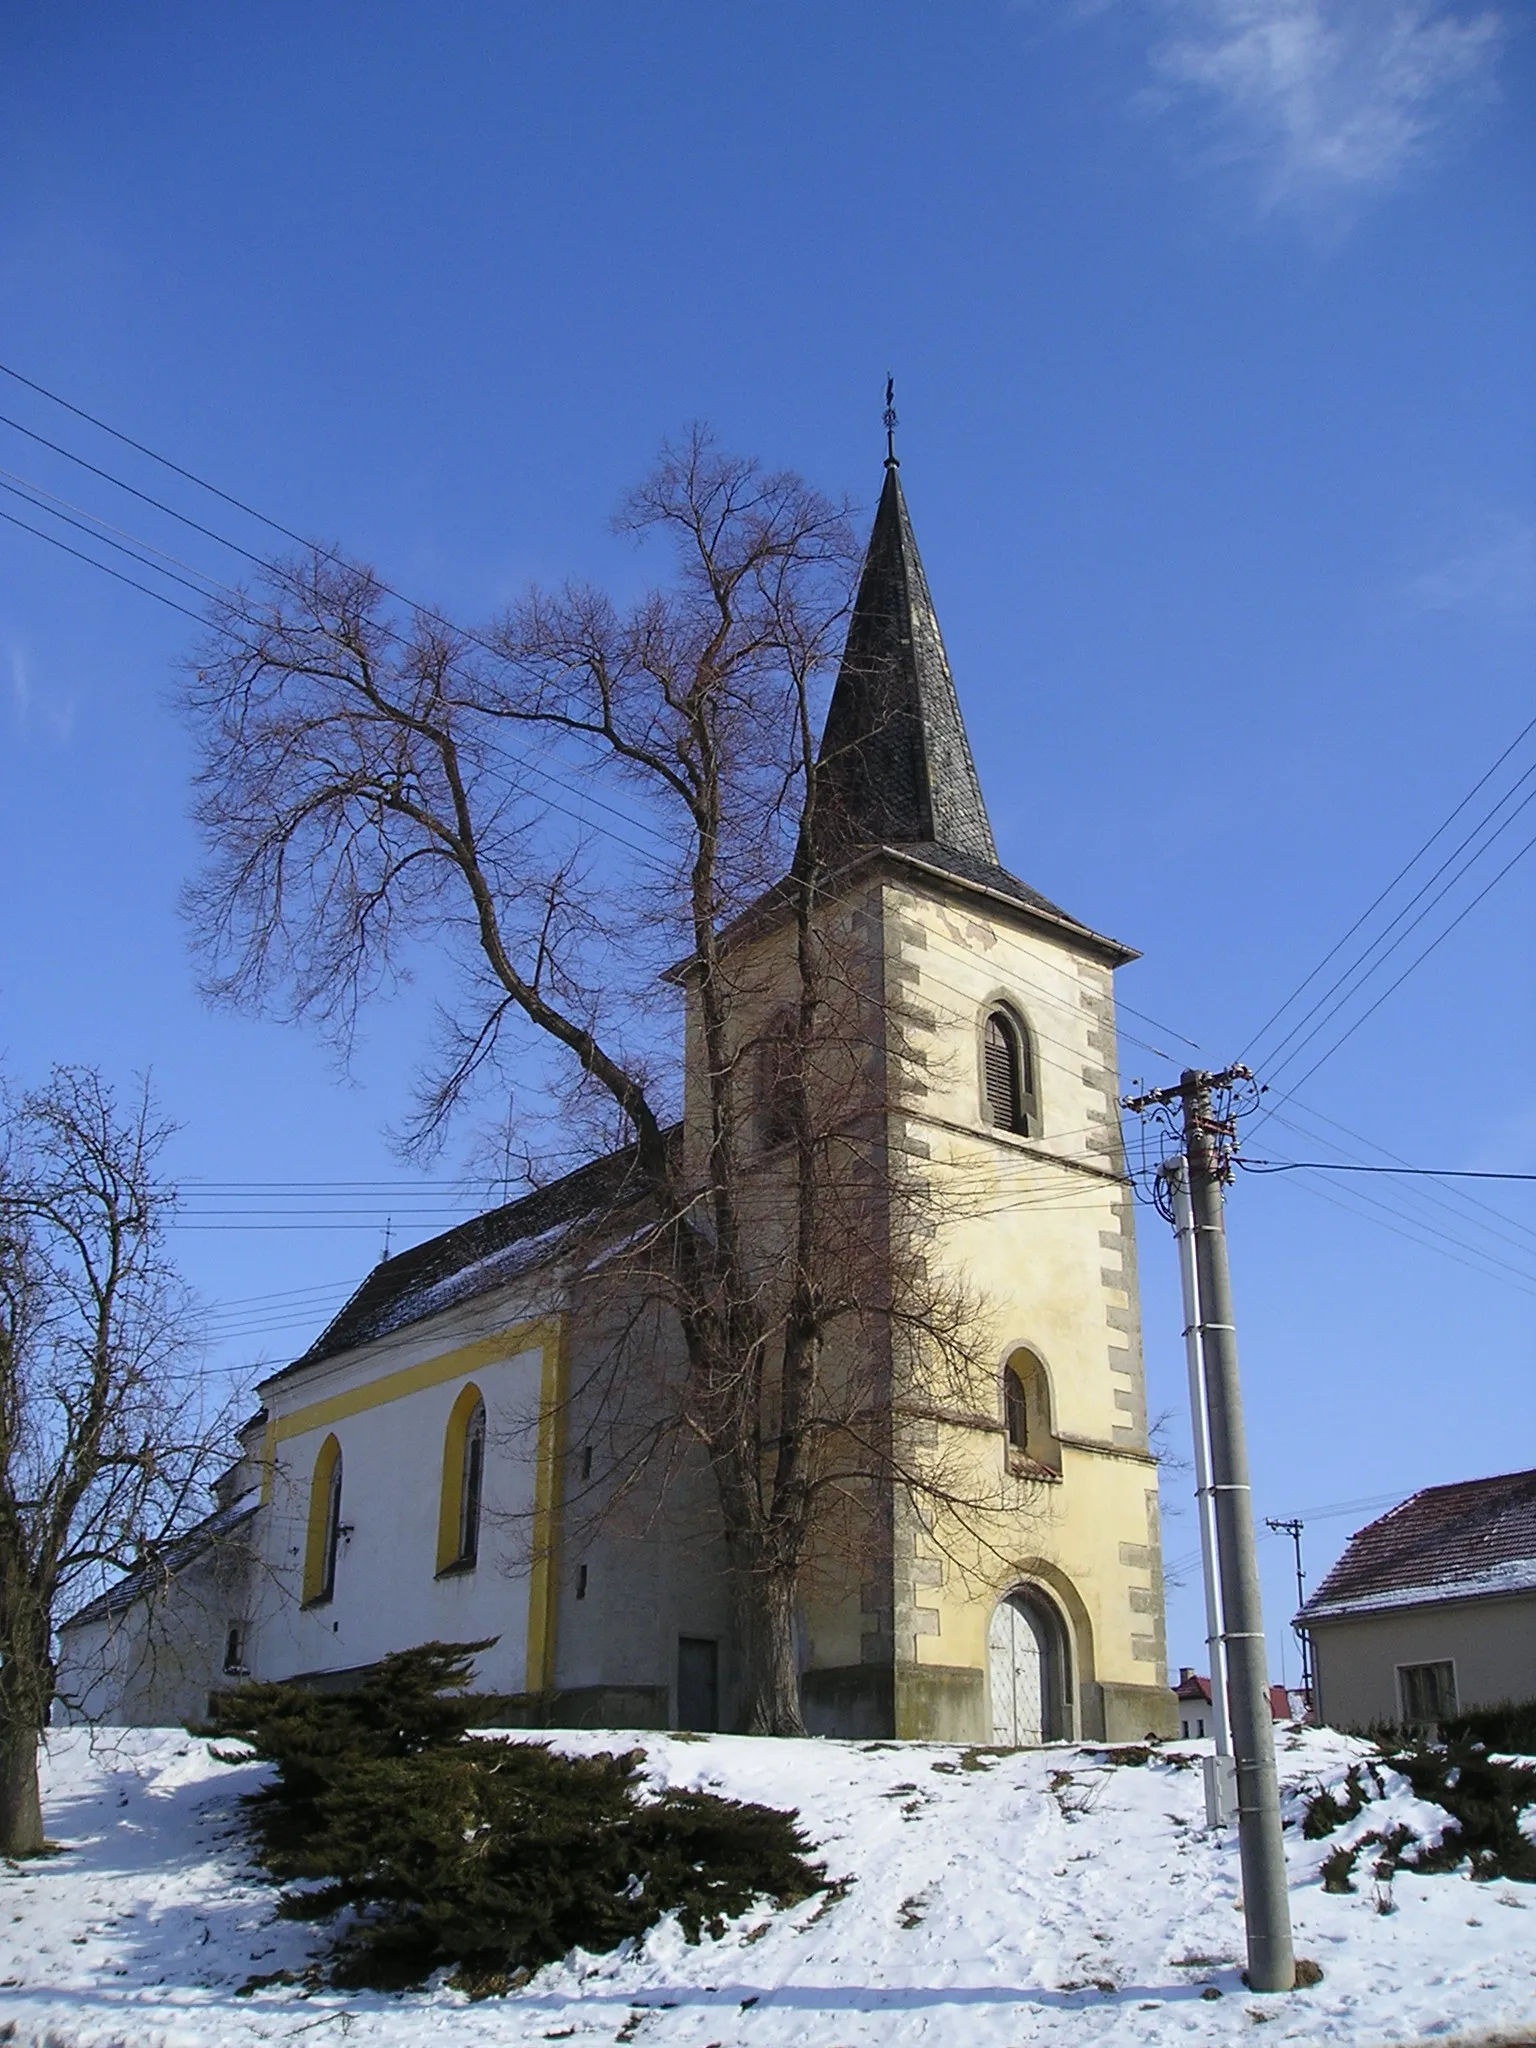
(31, 712)
(1490, 575)
(1330, 100)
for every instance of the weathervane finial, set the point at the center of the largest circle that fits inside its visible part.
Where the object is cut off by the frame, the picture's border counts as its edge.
(892, 460)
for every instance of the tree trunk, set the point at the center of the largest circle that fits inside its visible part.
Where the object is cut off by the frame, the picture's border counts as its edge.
(765, 1609)
(21, 1804)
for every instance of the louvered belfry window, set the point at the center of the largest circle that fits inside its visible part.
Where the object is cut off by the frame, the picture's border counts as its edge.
(1007, 1084)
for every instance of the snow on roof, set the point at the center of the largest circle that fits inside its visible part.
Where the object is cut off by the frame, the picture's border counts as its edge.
(173, 1556)
(472, 1258)
(1460, 1542)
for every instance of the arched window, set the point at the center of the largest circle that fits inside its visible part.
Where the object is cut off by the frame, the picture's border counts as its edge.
(781, 1085)
(1008, 1082)
(324, 1532)
(1033, 1448)
(1015, 1410)
(458, 1521)
(469, 1493)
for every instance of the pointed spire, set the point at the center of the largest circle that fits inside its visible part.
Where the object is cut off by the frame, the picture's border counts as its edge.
(896, 766)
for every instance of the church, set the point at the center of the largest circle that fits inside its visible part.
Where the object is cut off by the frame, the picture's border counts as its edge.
(434, 1466)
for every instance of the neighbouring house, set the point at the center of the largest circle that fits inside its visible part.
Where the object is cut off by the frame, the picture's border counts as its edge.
(455, 1456)
(1193, 1697)
(1431, 1609)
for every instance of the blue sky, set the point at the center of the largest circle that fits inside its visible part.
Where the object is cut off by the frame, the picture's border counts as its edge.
(1212, 322)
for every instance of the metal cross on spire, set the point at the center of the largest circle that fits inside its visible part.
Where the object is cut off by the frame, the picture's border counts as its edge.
(892, 460)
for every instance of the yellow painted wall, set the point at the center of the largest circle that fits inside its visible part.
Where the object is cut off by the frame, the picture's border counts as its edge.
(1037, 1230)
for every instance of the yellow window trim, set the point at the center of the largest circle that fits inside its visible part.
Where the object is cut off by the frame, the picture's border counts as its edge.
(328, 1458)
(450, 1502)
(547, 1334)
(268, 1459)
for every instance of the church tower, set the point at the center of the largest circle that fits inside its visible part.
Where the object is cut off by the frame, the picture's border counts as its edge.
(989, 1570)
(1032, 1606)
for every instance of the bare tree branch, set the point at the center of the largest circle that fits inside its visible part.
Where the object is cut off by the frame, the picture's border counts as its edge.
(104, 1445)
(361, 796)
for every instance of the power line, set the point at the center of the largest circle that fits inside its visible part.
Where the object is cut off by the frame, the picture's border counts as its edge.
(1441, 1237)
(1375, 1210)
(259, 561)
(522, 761)
(105, 568)
(93, 529)
(1402, 872)
(1465, 911)
(1489, 1266)
(1463, 1200)
(1343, 1166)
(1429, 1231)
(164, 460)
(1360, 972)
(424, 611)
(185, 519)
(25, 487)
(288, 533)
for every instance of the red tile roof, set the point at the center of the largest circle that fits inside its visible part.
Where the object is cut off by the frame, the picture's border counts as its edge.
(1192, 1688)
(1477, 1536)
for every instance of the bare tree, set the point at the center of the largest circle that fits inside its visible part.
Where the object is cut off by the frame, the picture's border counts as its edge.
(364, 789)
(104, 1446)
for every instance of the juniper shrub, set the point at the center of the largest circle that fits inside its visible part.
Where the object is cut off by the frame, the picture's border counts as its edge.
(478, 1852)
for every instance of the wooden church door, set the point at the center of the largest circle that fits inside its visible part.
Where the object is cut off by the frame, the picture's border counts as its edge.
(1019, 1675)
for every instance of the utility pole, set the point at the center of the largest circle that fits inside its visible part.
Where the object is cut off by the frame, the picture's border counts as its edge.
(1220, 1783)
(1293, 1529)
(1261, 1846)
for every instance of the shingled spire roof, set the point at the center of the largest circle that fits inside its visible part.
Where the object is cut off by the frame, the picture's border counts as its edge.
(896, 770)
(896, 766)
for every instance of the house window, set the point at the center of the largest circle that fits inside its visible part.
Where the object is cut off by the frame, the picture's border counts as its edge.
(324, 1533)
(1008, 1083)
(581, 1582)
(1428, 1691)
(234, 1651)
(458, 1516)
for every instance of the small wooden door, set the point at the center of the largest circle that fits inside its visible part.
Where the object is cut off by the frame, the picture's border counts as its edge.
(1020, 1675)
(698, 1683)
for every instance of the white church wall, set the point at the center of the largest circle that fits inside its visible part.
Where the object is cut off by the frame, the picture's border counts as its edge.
(388, 1407)
(154, 1661)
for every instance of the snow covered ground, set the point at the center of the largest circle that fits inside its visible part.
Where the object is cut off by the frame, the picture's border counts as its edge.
(997, 1898)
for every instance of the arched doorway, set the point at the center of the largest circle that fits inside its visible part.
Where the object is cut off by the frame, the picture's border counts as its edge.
(1029, 1670)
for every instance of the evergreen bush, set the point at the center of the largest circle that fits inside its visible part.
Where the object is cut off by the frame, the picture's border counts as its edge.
(475, 1851)
(1510, 1727)
(1484, 1793)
